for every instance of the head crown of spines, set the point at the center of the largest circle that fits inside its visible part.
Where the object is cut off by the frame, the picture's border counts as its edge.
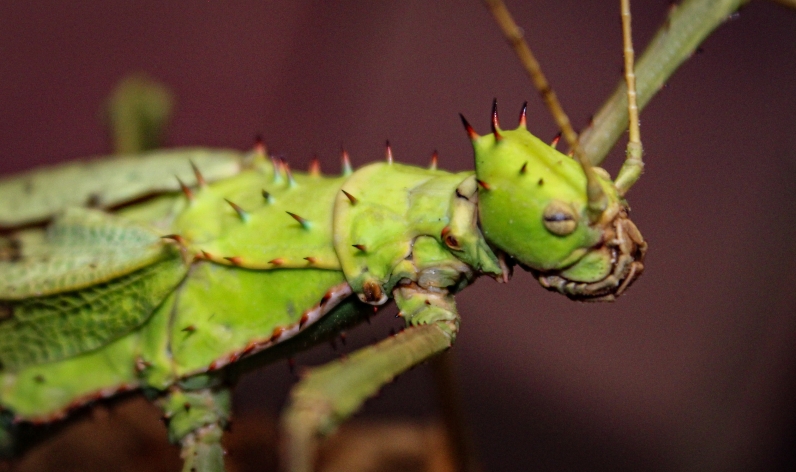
(520, 179)
(493, 152)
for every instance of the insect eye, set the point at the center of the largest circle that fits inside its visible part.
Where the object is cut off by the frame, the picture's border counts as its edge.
(452, 242)
(559, 218)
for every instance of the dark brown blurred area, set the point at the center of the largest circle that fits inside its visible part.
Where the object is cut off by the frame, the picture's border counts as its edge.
(693, 369)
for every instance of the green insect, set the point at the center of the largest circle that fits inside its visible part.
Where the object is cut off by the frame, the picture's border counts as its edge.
(240, 261)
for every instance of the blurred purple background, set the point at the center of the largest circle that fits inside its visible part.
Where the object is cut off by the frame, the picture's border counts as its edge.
(692, 370)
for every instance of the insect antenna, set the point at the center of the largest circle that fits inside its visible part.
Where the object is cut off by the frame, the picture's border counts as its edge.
(516, 38)
(597, 201)
(633, 167)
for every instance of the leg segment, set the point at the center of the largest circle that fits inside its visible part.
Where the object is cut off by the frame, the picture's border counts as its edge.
(327, 395)
(196, 422)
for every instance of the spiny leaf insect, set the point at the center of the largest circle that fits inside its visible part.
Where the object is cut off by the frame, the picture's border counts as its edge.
(166, 263)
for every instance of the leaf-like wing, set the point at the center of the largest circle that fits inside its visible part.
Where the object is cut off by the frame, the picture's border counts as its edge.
(49, 328)
(81, 248)
(40, 194)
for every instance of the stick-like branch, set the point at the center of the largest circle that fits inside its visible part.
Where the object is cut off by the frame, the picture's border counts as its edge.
(686, 27)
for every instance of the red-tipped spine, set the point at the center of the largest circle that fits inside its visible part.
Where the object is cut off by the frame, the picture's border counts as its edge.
(259, 145)
(277, 333)
(291, 182)
(434, 159)
(185, 190)
(277, 164)
(469, 129)
(315, 167)
(244, 217)
(495, 123)
(200, 180)
(268, 197)
(346, 163)
(351, 198)
(523, 117)
(388, 153)
(554, 142)
(302, 221)
(176, 238)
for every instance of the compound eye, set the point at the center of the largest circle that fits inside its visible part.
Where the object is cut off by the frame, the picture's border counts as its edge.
(559, 218)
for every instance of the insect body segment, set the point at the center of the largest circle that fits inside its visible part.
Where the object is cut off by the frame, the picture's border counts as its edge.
(120, 289)
(256, 222)
(395, 206)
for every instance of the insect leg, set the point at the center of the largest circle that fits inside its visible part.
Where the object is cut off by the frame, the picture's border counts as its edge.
(327, 395)
(196, 420)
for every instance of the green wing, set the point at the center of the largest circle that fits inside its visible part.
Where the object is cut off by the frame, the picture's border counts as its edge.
(81, 248)
(91, 278)
(41, 194)
(49, 328)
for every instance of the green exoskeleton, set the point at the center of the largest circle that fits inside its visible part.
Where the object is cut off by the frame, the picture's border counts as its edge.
(141, 281)
(163, 294)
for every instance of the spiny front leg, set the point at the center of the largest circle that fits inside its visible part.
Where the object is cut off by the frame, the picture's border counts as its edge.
(329, 394)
